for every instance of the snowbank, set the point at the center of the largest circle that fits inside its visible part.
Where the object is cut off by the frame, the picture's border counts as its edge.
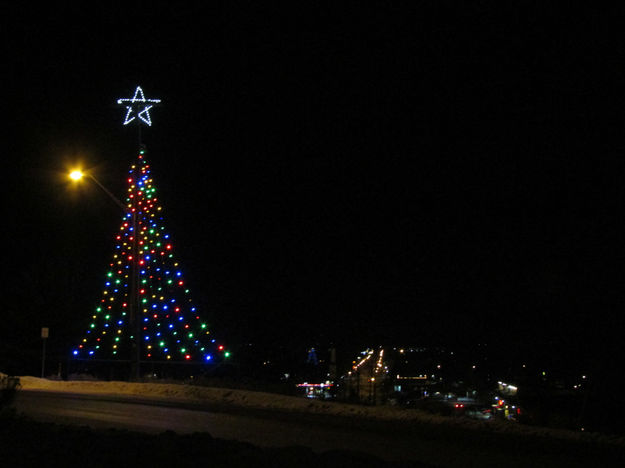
(208, 395)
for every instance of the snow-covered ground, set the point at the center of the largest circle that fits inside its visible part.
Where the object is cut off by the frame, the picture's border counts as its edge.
(270, 401)
(216, 395)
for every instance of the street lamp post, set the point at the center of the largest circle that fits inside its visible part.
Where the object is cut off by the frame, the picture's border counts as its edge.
(135, 324)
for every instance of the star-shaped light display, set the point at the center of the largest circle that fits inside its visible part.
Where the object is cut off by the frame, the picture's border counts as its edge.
(139, 104)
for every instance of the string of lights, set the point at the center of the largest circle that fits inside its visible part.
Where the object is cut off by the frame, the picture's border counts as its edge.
(170, 326)
(138, 101)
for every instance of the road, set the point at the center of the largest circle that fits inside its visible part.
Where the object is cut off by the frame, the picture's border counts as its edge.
(259, 428)
(429, 445)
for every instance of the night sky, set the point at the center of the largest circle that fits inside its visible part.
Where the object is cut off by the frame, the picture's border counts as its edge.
(441, 174)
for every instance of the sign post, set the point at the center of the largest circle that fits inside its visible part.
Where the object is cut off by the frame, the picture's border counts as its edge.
(44, 334)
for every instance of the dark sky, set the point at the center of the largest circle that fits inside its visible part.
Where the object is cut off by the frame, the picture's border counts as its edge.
(383, 173)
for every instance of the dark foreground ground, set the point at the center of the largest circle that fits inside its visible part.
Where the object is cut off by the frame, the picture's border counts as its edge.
(24, 442)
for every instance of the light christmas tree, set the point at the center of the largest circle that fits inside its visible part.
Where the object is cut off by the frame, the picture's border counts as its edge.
(146, 313)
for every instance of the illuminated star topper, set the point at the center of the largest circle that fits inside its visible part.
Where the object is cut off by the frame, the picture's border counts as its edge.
(140, 104)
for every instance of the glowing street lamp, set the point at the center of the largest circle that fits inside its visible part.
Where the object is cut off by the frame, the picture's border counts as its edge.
(76, 175)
